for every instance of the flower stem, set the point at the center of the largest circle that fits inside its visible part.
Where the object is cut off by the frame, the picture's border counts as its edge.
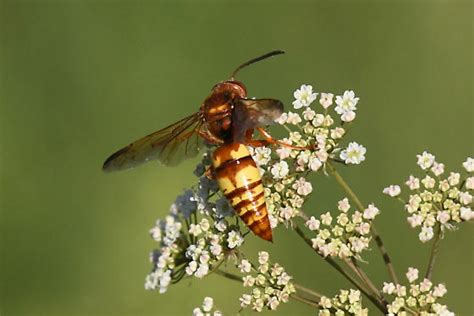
(434, 253)
(360, 207)
(367, 280)
(336, 266)
(308, 291)
(304, 300)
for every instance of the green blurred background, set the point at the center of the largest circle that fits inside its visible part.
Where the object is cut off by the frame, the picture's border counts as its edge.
(79, 79)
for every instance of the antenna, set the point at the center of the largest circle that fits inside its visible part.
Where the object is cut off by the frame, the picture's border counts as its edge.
(252, 61)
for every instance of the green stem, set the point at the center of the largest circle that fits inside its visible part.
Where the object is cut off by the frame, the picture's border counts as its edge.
(434, 253)
(367, 281)
(308, 291)
(360, 207)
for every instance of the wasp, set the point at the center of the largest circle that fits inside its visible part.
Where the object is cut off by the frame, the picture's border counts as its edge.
(227, 118)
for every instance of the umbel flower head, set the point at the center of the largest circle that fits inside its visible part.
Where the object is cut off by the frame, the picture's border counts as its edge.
(318, 134)
(416, 298)
(345, 236)
(347, 302)
(270, 284)
(437, 198)
(193, 238)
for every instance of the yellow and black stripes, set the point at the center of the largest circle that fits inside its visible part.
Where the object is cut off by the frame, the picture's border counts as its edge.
(239, 180)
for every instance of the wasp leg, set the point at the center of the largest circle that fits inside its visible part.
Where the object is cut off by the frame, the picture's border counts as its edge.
(209, 173)
(270, 140)
(210, 138)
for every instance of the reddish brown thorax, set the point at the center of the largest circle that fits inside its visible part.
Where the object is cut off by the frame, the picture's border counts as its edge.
(218, 107)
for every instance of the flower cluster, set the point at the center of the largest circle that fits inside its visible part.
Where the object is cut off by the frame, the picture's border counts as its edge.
(270, 283)
(194, 237)
(168, 234)
(313, 139)
(210, 244)
(347, 302)
(437, 200)
(346, 236)
(206, 308)
(418, 299)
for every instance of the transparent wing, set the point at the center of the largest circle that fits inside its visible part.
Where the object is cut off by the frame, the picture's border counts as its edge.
(169, 145)
(253, 113)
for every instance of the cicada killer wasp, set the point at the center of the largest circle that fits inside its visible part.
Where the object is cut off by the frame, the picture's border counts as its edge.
(226, 118)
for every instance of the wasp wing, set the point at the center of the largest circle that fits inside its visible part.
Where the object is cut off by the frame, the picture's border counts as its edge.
(169, 145)
(253, 113)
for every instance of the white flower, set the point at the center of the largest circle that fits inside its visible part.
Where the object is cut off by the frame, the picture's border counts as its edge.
(439, 290)
(370, 212)
(413, 183)
(465, 198)
(195, 230)
(415, 220)
(425, 160)
(273, 302)
(388, 288)
(263, 257)
(216, 249)
(425, 286)
(234, 239)
(412, 274)
(302, 186)
(428, 182)
(207, 304)
(202, 271)
(280, 169)
(426, 234)
(470, 183)
(287, 212)
(468, 164)
(326, 219)
(343, 205)
(326, 99)
(282, 151)
(191, 268)
(392, 190)
(304, 96)
(354, 154)
(466, 213)
(346, 103)
(282, 119)
(248, 280)
(337, 133)
(454, 178)
(312, 223)
(348, 116)
(314, 163)
(245, 300)
(437, 168)
(293, 118)
(443, 217)
(197, 312)
(245, 266)
(262, 155)
(308, 114)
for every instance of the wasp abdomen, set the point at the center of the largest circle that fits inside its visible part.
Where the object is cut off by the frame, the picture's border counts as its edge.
(239, 180)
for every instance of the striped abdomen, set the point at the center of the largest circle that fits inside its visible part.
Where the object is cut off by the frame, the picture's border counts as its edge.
(240, 181)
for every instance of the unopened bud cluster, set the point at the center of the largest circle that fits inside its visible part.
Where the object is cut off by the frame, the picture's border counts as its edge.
(437, 200)
(344, 236)
(418, 298)
(270, 284)
(347, 302)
